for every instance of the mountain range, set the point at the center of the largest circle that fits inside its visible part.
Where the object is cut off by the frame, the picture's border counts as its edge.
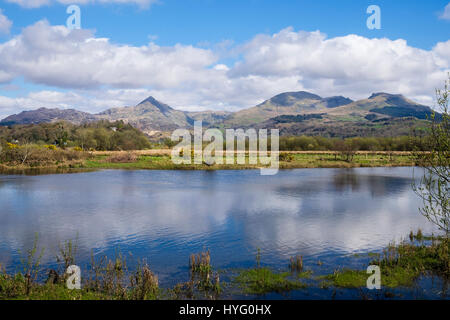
(294, 113)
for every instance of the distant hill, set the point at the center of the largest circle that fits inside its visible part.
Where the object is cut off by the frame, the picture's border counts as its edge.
(48, 115)
(382, 105)
(288, 103)
(149, 116)
(293, 113)
(382, 114)
(333, 102)
(210, 118)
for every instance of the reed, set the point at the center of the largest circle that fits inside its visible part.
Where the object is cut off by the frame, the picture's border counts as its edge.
(31, 266)
(203, 278)
(145, 283)
(403, 263)
(400, 263)
(296, 264)
(67, 253)
(200, 262)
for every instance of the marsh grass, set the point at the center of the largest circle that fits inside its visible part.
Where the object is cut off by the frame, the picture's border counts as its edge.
(31, 266)
(419, 258)
(296, 264)
(67, 253)
(122, 157)
(403, 263)
(203, 278)
(108, 276)
(261, 280)
(109, 279)
(201, 262)
(264, 280)
(135, 160)
(287, 161)
(144, 283)
(345, 278)
(418, 236)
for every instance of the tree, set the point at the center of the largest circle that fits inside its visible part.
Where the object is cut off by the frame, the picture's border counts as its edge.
(26, 151)
(346, 148)
(434, 184)
(81, 136)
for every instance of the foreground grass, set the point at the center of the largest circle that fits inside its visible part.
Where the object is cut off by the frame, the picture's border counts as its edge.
(321, 160)
(391, 278)
(264, 280)
(402, 264)
(15, 288)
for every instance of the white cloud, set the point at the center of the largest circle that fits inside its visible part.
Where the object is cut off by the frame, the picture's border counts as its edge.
(30, 3)
(55, 56)
(89, 101)
(96, 74)
(351, 65)
(446, 14)
(5, 77)
(39, 3)
(5, 24)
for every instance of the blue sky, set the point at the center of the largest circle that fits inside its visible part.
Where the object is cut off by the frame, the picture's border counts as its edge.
(211, 21)
(223, 29)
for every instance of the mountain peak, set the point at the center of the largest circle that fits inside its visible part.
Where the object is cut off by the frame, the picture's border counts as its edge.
(297, 95)
(161, 106)
(43, 115)
(386, 95)
(289, 98)
(395, 99)
(149, 99)
(336, 101)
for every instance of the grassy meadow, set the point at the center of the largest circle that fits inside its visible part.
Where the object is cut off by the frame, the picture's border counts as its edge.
(161, 160)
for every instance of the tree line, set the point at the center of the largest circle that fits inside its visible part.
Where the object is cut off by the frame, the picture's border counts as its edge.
(106, 136)
(317, 143)
(101, 135)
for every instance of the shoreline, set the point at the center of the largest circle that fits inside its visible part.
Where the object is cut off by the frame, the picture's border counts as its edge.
(159, 159)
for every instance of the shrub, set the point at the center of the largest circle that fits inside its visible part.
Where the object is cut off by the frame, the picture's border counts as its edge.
(284, 156)
(123, 157)
(50, 146)
(12, 145)
(35, 155)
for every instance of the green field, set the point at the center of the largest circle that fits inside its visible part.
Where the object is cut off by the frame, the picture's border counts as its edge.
(142, 161)
(299, 160)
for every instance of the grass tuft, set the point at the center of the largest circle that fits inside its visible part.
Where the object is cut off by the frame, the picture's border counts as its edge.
(264, 280)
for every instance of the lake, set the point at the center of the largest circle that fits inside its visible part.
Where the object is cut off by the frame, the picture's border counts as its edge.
(163, 216)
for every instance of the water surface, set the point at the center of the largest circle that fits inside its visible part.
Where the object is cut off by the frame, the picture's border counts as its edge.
(164, 216)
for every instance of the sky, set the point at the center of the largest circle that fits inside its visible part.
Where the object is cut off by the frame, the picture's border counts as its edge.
(217, 54)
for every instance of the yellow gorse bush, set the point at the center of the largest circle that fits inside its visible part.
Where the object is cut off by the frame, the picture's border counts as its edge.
(12, 145)
(50, 146)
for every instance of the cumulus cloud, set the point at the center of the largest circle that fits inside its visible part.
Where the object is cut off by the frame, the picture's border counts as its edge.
(5, 24)
(351, 64)
(39, 3)
(446, 14)
(56, 56)
(30, 3)
(91, 73)
(88, 101)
